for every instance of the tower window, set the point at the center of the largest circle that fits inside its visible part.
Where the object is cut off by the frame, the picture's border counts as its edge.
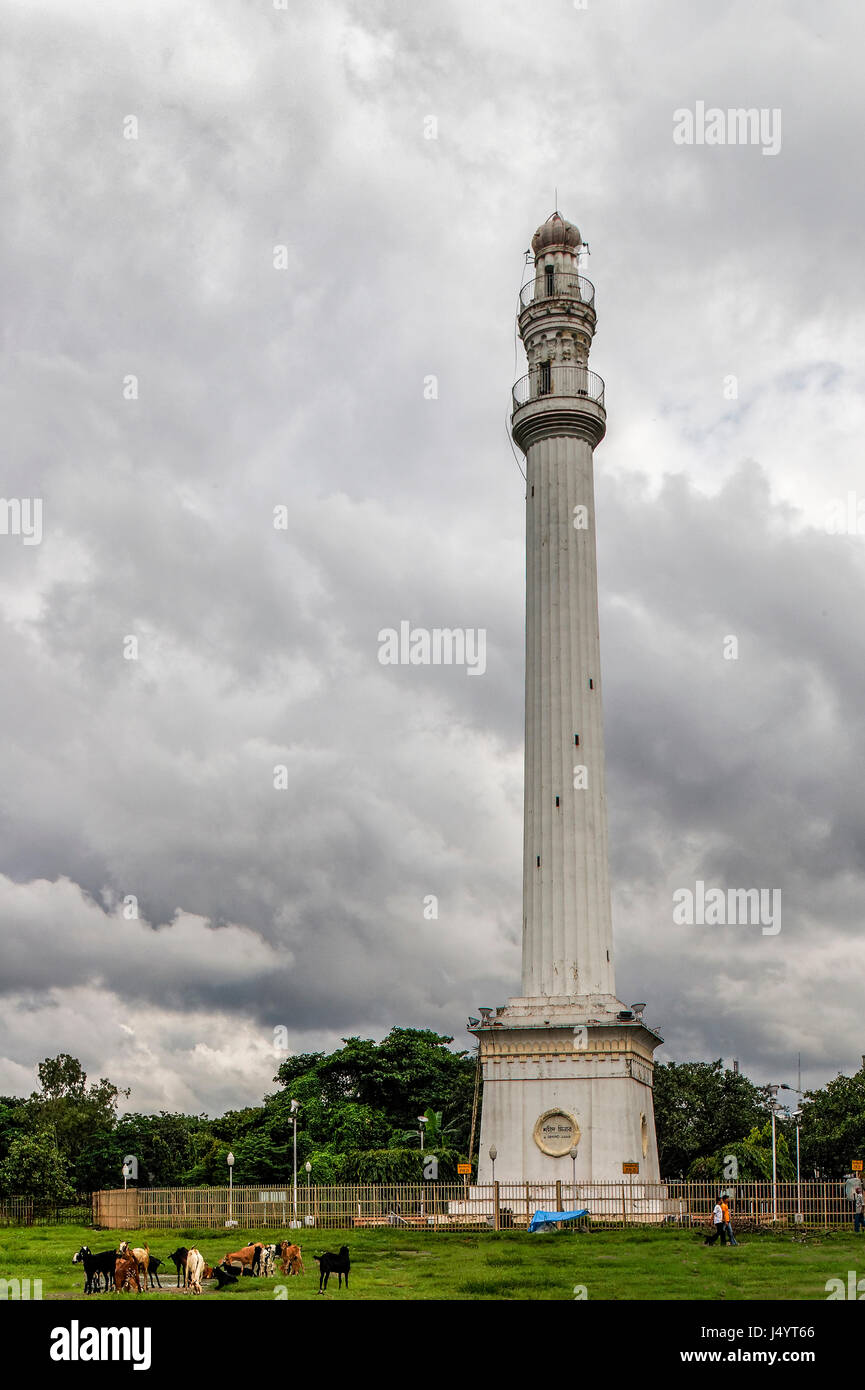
(539, 861)
(591, 683)
(550, 272)
(557, 801)
(577, 740)
(546, 379)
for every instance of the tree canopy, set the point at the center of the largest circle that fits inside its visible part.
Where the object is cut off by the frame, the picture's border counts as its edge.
(358, 1120)
(701, 1107)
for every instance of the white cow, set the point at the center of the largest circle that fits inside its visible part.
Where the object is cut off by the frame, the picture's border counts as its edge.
(194, 1270)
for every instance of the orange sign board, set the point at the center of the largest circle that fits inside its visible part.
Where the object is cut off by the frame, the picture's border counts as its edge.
(856, 1165)
(464, 1168)
(630, 1167)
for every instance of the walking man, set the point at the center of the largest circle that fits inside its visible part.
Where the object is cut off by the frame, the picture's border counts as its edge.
(717, 1225)
(728, 1225)
(858, 1209)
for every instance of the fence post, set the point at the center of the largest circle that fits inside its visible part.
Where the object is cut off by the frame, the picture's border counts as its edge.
(528, 1218)
(559, 1206)
(497, 1216)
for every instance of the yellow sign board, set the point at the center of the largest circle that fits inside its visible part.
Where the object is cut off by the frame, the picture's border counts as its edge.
(464, 1168)
(856, 1165)
(630, 1167)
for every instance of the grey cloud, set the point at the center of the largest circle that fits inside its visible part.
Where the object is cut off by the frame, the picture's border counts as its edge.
(304, 386)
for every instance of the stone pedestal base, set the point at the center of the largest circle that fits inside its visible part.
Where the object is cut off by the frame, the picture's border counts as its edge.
(559, 1072)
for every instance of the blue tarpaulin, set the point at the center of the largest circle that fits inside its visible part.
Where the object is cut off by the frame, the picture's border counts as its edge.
(542, 1219)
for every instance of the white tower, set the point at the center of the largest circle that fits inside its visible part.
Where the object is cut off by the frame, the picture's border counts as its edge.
(566, 1064)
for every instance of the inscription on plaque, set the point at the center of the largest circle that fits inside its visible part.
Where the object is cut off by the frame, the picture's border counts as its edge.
(556, 1133)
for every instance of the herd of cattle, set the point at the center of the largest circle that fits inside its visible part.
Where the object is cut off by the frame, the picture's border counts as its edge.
(134, 1267)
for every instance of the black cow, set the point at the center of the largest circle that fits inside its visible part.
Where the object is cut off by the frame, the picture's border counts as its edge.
(178, 1259)
(329, 1264)
(95, 1267)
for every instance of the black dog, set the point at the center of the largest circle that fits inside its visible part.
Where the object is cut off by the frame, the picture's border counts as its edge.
(329, 1264)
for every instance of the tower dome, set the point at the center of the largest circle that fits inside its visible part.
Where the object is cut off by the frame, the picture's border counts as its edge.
(556, 231)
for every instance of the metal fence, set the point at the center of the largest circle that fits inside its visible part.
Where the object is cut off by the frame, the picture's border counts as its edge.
(439, 1206)
(32, 1211)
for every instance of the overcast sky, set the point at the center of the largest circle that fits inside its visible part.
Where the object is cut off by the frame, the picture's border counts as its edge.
(303, 384)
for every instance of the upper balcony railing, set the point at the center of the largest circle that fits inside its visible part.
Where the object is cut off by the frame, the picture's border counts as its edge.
(558, 285)
(551, 379)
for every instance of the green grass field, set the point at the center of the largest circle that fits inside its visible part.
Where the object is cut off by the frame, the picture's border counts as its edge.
(389, 1264)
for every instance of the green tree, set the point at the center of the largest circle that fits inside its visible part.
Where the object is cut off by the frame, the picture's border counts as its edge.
(80, 1117)
(34, 1167)
(395, 1165)
(701, 1108)
(833, 1126)
(13, 1122)
(366, 1096)
(435, 1134)
(753, 1158)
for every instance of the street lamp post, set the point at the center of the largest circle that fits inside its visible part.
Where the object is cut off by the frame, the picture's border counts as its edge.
(773, 1092)
(422, 1121)
(125, 1171)
(797, 1115)
(774, 1170)
(295, 1106)
(494, 1153)
(308, 1168)
(574, 1168)
(230, 1161)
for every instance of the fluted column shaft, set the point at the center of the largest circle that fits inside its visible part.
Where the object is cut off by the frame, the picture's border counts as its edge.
(567, 932)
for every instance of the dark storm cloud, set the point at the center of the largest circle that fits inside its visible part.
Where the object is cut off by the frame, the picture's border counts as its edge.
(304, 387)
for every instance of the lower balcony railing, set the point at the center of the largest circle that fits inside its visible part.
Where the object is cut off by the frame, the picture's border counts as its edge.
(550, 379)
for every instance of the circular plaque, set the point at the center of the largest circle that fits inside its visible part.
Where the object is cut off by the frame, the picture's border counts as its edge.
(556, 1132)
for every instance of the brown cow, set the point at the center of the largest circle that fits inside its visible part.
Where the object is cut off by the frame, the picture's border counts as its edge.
(126, 1273)
(245, 1257)
(292, 1260)
(139, 1253)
